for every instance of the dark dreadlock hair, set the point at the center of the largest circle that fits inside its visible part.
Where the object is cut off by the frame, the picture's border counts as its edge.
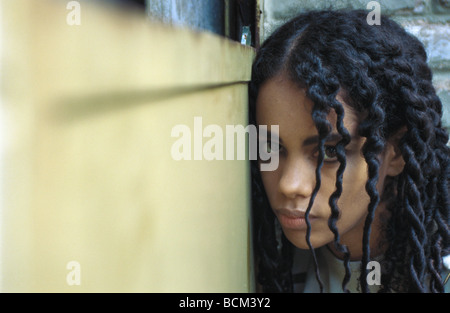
(384, 74)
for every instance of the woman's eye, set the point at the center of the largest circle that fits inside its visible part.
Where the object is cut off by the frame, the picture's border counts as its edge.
(330, 153)
(270, 147)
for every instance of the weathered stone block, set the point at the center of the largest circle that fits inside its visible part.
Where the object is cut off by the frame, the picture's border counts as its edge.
(391, 7)
(436, 39)
(440, 6)
(441, 82)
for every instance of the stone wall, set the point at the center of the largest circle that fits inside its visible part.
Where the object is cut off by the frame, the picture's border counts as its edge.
(429, 20)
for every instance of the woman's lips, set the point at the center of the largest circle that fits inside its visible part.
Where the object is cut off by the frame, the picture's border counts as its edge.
(293, 219)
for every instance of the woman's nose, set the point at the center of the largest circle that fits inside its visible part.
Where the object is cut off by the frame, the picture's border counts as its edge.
(298, 178)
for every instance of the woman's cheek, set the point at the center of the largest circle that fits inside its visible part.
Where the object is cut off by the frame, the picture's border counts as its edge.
(354, 194)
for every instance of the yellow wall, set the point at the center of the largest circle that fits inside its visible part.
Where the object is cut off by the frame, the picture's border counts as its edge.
(88, 173)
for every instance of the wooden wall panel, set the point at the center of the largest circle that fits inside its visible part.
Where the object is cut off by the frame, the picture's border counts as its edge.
(88, 172)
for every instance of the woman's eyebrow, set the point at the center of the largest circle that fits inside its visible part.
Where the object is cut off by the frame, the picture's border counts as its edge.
(333, 137)
(315, 139)
(269, 135)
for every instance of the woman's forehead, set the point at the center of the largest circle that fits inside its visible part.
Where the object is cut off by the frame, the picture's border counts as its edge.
(282, 102)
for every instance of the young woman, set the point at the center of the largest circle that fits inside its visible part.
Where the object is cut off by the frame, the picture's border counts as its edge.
(363, 159)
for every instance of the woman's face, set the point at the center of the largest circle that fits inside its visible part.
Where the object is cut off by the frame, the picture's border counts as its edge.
(290, 186)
